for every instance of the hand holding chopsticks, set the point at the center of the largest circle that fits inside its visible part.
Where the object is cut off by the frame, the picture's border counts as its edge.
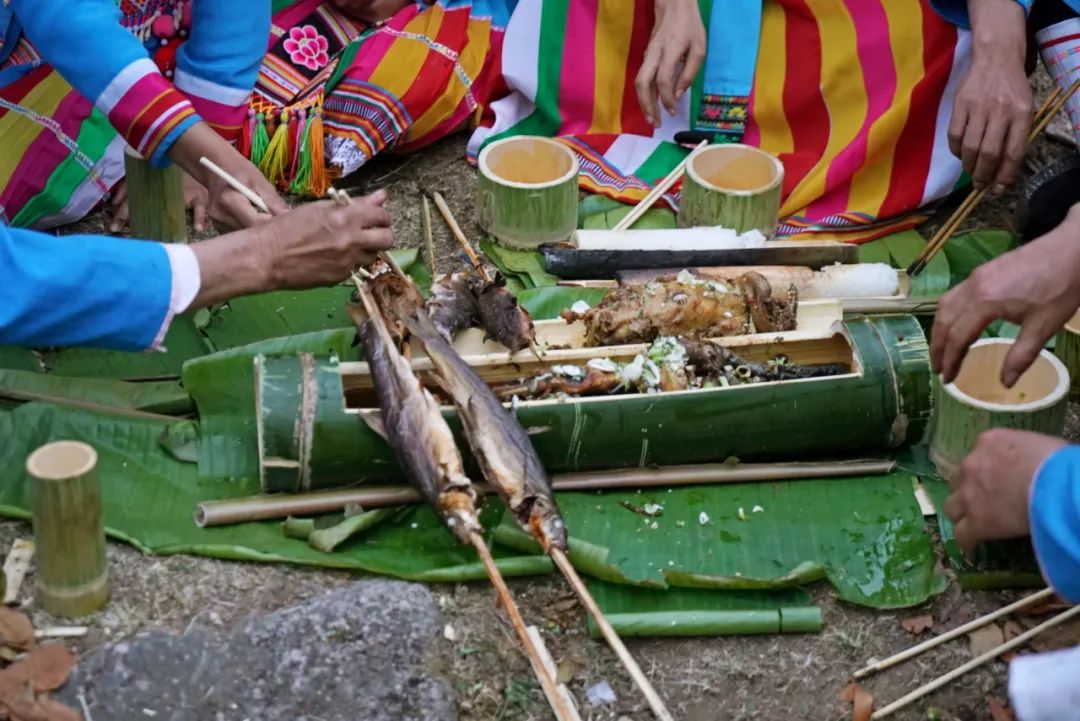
(1049, 109)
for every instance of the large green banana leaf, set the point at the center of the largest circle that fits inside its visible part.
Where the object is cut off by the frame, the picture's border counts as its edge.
(165, 397)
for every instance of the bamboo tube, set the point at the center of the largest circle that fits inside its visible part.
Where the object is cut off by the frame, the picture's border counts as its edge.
(265, 507)
(657, 192)
(1067, 348)
(16, 565)
(975, 663)
(72, 573)
(527, 191)
(955, 633)
(977, 401)
(734, 186)
(155, 200)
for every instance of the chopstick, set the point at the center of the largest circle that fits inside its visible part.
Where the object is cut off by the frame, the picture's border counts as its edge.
(975, 663)
(235, 184)
(950, 635)
(1051, 107)
(444, 211)
(662, 187)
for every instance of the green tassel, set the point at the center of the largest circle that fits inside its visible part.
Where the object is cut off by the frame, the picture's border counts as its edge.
(301, 183)
(261, 140)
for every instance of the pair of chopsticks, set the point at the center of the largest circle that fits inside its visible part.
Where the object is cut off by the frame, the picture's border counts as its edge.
(1049, 109)
(654, 195)
(974, 663)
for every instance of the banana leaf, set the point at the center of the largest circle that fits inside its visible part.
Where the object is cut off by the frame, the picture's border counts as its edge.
(548, 303)
(22, 359)
(526, 266)
(654, 219)
(149, 499)
(899, 250)
(165, 397)
(865, 535)
(224, 386)
(703, 612)
(181, 441)
(594, 204)
(967, 251)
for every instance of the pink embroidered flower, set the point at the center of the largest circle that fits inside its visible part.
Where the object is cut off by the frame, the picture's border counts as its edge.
(307, 47)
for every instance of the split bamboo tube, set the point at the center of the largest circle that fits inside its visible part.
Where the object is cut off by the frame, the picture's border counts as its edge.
(977, 401)
(527, 191)
(155, 200)
(1067, 349)
(72, 574)
(733, 186)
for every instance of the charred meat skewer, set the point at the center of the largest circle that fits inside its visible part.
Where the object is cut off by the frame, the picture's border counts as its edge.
(452, 305)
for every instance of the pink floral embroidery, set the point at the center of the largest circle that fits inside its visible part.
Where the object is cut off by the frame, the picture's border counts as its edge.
(307, 47)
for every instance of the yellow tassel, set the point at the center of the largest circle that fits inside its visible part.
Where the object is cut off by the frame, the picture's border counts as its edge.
(320, 180)
(276, 160)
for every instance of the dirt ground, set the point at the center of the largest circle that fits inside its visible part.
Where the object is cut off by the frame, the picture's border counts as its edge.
(734, 678)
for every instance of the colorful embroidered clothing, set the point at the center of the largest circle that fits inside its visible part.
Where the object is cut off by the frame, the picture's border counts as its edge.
(157, 67)
(853, 96)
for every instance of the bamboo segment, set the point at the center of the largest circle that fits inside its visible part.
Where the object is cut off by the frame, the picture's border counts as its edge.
(327, 539)
(527, 191)
(155, 200)
(72, 573)
(16, 565)
(734, 186)
(977, 401)
(1067, 348)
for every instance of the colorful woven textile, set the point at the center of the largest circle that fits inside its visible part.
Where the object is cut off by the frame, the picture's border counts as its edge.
(853, 96)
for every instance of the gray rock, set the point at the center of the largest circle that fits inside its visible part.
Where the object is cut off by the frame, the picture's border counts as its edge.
(360, 652)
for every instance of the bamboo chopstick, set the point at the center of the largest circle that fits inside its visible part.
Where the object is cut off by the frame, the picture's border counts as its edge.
(975, 663)
(653, 195)
(235, 184)
(444, 211)
(950, 635)
(1051, 107)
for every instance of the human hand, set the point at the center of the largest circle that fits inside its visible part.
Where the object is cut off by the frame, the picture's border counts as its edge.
(992, 112)
(227, 208)
(371, 11)
(678, 35)
(195, 197)
(989, 500)
(312, 245)
(1035, 286)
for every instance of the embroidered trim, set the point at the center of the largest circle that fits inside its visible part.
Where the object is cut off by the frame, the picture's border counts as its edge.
(723, 113)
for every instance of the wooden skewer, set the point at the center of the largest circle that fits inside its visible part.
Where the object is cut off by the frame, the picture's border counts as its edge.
(662, 187)
(444, 211)
(950, 635)
(975, 663)
(553, 671)
(547, 681)
(1051, 107)
(235, 184)
(429, 239)
(616, 644)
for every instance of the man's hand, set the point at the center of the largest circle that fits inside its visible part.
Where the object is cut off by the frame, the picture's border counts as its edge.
(992, 111)
(195, 197)
(228, 208)
(312, 245)
(1036, 286)
(992, 486)
(678, 36)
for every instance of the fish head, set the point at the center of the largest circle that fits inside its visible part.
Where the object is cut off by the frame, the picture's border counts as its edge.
(546, 524)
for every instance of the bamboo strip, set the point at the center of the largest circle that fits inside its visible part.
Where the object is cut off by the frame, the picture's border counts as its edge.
(260, 508)
(72, 572)
(155, 200)
(966, 628)
(32, 396)
(653, 195)
(455, 229)
(975, 663)
(235, 184)
(551, 668)
(16, 565)
(656, 703)
(429, 239)
(62, 632)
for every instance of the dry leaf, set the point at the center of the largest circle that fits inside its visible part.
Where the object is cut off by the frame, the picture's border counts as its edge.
(915, 625)
(999, 709)
(985, 639)
(42, 709)
(16, 631)
(46, 666)
(862, 703)
(1011, 630)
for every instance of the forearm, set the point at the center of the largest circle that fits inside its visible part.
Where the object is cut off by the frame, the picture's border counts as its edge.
(962, 12)
(1054, 511)
(998, 30)
(231, 266)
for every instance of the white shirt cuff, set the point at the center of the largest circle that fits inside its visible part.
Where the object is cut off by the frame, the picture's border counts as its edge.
(1043, 687)
(186, 281)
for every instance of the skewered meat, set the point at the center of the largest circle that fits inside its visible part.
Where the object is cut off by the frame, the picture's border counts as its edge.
(501, 317)
(396, 298)
(572, 381)
(416, 431)
(452, 305)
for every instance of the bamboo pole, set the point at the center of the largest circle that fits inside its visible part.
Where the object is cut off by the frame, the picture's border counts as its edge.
(72, 572)
(547, 680)
(657, 192)
(968, 627)
(16, 565)
(266, 507)
(640, 679)
(974, 663)
(155, 200)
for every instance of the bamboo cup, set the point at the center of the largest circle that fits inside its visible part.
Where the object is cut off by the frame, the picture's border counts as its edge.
(1067, 349)
(72, 573)
(155, 200)
(733, 186)
(977, 401)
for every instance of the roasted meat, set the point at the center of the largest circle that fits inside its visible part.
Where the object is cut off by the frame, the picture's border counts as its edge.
(501, 317)
(770, 315)
(452, 305)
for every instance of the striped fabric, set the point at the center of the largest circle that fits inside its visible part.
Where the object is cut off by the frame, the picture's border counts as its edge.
(853, 96)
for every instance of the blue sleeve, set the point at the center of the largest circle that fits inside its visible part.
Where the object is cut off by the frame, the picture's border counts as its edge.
(956, 11)
(227, 43)
(1055, 521)
(82, 290)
